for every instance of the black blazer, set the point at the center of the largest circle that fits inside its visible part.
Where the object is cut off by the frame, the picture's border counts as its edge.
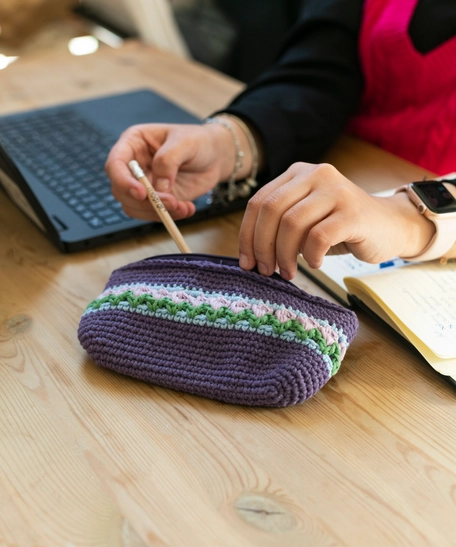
(303, 101)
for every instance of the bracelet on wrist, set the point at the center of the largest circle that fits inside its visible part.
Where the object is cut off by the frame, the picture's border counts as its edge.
(234, 188)
(251, 179)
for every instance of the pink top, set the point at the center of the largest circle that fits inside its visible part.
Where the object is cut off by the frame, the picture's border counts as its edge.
(409, 101)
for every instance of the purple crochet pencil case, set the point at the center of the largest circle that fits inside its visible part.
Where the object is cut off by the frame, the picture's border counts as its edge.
(202, 325)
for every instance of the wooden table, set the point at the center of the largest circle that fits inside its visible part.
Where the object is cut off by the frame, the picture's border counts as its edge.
(91, 458)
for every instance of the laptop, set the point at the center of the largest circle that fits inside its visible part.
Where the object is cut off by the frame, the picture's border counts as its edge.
(52, 167)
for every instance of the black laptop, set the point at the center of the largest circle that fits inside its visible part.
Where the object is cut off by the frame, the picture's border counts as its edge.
(52, 167)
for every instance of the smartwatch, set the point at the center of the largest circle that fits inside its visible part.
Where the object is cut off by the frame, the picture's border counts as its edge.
(436, 200)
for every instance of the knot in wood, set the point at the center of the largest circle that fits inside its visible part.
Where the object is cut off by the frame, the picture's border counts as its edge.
(264, 513)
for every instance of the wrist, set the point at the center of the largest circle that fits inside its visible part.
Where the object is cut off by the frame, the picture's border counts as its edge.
(416, 230)
(232, 146)
(242, 178)
(245, 145)
(224, 149)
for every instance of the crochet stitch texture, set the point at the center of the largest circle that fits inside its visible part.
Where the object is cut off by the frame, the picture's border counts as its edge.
(200, 324)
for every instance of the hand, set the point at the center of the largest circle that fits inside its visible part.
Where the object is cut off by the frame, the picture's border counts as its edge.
(183, 162)
(314, 210)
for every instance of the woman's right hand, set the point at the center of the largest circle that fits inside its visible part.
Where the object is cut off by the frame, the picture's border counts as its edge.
(183, 162)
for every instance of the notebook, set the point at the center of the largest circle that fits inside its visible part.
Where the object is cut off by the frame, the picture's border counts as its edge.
(52, 167)
(417, 300)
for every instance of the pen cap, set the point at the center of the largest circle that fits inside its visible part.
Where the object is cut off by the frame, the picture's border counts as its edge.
(202, 325)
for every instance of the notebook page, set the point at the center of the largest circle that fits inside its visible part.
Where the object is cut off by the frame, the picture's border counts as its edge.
(423, 297)
(336, 268)
(340, 266)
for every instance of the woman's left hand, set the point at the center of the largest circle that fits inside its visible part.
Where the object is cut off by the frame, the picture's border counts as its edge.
(314, 210)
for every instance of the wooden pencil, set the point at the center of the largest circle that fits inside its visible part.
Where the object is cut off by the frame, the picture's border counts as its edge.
(157, 204)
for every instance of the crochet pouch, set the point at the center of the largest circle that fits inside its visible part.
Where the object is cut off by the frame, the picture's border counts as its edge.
(202, 325)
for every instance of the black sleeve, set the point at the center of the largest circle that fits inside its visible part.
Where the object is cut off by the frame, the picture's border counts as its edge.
(302, 102)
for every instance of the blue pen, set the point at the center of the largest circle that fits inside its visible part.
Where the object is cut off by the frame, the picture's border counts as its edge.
(391, 263)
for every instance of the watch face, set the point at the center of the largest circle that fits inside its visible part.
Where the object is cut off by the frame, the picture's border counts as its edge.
(438, 196)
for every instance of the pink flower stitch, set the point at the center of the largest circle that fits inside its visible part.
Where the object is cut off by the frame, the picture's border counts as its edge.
(328, 334)
(197, 300)
(284, 315)
(239, 305)
(261, 309)
(158, 294)
(307, 322)
(218, 302)
(140, 289)
(179, 296)
(114, 290)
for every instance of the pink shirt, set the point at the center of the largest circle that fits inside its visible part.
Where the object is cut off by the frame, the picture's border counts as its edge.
(409, 101)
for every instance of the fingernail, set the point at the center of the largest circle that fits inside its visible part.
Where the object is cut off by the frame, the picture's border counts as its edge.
(134, 194)
(243, 261)
(161, 184)
(262, 268)
(285, 275)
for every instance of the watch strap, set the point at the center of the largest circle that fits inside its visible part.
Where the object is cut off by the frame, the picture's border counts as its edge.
(443, 244)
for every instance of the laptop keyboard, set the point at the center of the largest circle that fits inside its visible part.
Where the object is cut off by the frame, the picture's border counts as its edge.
(67, 154)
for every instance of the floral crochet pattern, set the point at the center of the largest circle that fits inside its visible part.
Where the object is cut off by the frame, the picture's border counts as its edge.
(216, 330)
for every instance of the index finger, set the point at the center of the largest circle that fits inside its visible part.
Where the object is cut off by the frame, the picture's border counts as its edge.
(132, 145)
(247, 258)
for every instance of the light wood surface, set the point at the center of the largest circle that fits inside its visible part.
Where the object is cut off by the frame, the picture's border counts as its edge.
(91, 458)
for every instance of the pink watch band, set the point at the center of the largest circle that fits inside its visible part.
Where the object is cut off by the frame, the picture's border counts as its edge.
(443, 244)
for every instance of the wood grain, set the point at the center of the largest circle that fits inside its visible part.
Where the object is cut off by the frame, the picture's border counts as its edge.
(91, 458)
